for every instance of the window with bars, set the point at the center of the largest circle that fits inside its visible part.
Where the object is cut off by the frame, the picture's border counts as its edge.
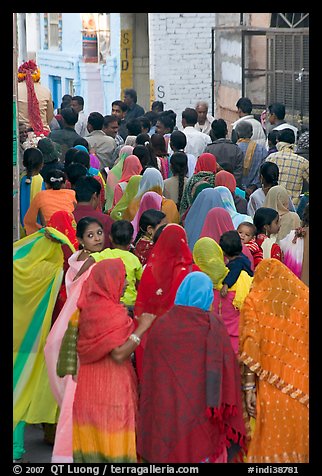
(53, 30)
(290, 20)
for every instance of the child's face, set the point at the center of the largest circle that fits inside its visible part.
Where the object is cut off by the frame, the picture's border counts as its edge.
(274, 227)
(93, 238)
(245, 233)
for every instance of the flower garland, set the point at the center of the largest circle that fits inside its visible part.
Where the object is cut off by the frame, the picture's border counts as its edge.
(29, 66)
(32, 140)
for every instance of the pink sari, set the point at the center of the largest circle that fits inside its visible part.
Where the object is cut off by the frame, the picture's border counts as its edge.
(64, 388)
(224, 308)
(149, 200)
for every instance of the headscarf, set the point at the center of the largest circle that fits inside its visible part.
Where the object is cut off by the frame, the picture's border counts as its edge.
(131, 166)
(169, 262)
(187, 197)
(191, 375)
(152, 181)
(206, 162)
(128, 195)
(226, 179)
(80, 147)
(208, 255)
(278, 198)
(149, 200)
(115, 174)
(274, 325)
(196, 290)
(225, 200)
(103, 322)
(30, 73)
(217, 222)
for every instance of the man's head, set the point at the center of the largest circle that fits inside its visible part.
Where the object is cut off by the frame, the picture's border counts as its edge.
(276, 112)
(134, 127)
(130, 97)
(119, 109)
(244, 107)
(74, 172)
(286, 135)
(145, 124)
(189, 117)
(95, 122)
(110, 126)
(202, 111)
(77, 103)
(70, 116)
(244, 130)
(165, 122)
(157, 106)
(218, 129)
(88, 190)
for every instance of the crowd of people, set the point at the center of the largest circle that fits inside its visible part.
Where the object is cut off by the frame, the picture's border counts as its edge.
(161, 283)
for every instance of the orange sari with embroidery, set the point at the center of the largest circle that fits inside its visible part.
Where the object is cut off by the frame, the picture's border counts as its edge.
(273, 339)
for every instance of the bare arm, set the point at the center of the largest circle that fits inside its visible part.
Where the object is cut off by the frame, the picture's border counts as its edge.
(121, 353)
(88, 263)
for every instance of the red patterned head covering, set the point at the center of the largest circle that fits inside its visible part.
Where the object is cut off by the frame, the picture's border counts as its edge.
(226, 179)
(206, 163)
(30, 73)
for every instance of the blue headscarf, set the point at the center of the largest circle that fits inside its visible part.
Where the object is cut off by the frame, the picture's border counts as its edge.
(196, 290)
(81, 147)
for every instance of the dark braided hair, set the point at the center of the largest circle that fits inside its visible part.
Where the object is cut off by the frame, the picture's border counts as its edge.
(32, 160)
(179, 167)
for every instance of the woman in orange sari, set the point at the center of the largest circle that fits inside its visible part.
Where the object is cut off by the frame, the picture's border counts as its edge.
(273, 343)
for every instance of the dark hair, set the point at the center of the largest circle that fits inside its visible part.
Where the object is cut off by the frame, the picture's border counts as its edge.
(152, 117)
(150, 217)
(143, 155)
(179, 167)
(122, 232)
(244, 130)
(66, 101)
(190, 115)
(245, 105)
(270, 172)
(48, 149)
(218, 129)
(158, 233)
(67, 97)
(132, 93)
(249, 225)
(96, 119)
(55, 178)
(278, 109)
(230, 243)
(157, 106)
(286, 135)
(82, 157)
(145, 123)
(264, 216)
(69, 115)
(134, 127)
(107, 120)
(79, 100)
(142, 138)
(178, 139)
(168, 119)
(74, 172)
(159, 145)
(69, 157)
(81, 141)
(305, 216)
(32, 160)
(85, 187)
(83, 223)
(273, 136)
(121, 105)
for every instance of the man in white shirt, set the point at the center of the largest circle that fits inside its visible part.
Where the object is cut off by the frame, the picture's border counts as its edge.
(276, 115)
(196, 141)
(78, 106)
(204, 119)
(178, 142)
(102, 145)
(244, 109)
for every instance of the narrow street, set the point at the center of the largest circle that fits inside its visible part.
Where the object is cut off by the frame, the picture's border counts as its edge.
(37, 451)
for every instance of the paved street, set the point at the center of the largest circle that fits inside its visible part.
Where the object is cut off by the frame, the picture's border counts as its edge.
(37, 451)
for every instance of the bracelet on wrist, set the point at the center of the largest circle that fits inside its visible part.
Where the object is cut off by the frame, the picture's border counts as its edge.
(248, 387)
(135, 338)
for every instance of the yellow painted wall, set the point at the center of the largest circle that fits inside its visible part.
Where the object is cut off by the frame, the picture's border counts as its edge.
(126, 59)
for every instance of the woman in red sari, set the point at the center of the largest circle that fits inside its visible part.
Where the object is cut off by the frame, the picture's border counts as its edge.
(170, 261)
(190, 401)
(105, 403)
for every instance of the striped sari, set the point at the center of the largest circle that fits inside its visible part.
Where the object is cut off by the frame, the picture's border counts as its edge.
(37, 276)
